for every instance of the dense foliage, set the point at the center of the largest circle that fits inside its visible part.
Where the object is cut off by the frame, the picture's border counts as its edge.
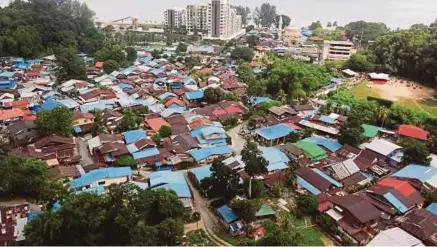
(223, 182)
(70, 65)
(57, 121)
(22, 177)
(165, 131)
(242, 53)
(37, 27)
(246, 209)
(126, 215)
(365, 31)
(213, 95)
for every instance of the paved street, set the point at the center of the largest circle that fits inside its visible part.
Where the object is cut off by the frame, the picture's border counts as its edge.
(238, 141)
(82, 148)
(209, 220)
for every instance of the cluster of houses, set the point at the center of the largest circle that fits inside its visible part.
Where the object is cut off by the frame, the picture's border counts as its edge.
(363, 189)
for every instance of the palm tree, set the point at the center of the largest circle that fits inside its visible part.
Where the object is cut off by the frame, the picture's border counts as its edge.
(196, 216)
(382, 115)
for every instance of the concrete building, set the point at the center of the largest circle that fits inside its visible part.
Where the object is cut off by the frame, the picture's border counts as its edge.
(291, 36)
(223, 21)
(175, 18)
(337, 50)
(197, 18)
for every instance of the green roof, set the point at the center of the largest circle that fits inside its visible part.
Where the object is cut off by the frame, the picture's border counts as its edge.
(265, 210)
(312, 150)
(370, 130)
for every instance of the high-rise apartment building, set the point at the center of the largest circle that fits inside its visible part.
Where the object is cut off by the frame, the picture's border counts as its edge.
(197, 18)
(175, 18)
(217, 19)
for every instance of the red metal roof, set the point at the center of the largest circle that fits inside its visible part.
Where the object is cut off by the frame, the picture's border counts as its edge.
(413, 132)
(99, 65)
(402, 186)
(174, 101)
(17, 104)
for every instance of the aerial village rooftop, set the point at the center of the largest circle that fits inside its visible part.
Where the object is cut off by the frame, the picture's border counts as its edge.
(369, 194)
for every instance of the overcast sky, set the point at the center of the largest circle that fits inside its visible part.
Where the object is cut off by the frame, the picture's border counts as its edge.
(395, 13)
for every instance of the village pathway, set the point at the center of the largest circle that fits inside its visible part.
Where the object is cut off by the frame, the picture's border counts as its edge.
(82, 147)
(209, 220)
(238, 141)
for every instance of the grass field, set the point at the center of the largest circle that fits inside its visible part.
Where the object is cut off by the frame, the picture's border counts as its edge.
(311, 235)
(362, 91)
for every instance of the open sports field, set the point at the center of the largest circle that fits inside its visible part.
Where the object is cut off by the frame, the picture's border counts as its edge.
(404, 93)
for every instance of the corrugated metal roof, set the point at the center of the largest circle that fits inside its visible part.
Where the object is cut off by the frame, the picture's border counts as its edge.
(227, 214)
(275, 131)
(395, 202)
(325, 176)
(304, 184)
(370, 130)
(99, 174)
(202, 172)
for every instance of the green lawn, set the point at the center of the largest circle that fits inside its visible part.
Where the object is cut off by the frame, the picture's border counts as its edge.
(362, 91)
(311, 235)
(199, 238)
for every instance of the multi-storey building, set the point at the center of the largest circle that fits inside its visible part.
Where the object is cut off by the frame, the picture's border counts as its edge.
(223, 21)
(175, 18)
(197, 18)
(337, 50)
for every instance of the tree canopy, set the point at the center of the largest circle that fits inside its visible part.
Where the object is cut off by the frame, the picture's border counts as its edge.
(165, 131)
(367, 31)
(246, 209)
(38, 27)
(243, 53)
(131, 54)
(110, 65)
(223, 182)
(57, 121)
(244, 12)
(182, 47)
(70, 65)
(315, 25)
(213, 95)
(126, 215)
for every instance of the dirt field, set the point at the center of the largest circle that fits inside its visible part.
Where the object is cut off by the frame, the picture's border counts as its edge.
(403, 92)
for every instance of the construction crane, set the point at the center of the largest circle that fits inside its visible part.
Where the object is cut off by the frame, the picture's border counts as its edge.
(133, 20)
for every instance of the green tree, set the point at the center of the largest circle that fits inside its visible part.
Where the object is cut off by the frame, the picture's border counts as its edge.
(415, 152)
(243, 53)
(258, 188)
(126, 160)
(351, 135)
(27, 39)
(165, 131)
(70, 66)
(130, 120)
(156, 54)
(307, 205)
(141, 217)
(99, 124)
(213, 95)
(57, 121)
(246, 209)
(110, 65)
(131, 54)
(367, 31)
(255, 163)
(285, 20)
(252, 40)
(223, 182)
(23, 177)
(316, 25)
(156, 138)
(111, 52)
(182, 47)
(244, 12)
(54, 191)
(278, 190)
(267, 15)
(360, 62)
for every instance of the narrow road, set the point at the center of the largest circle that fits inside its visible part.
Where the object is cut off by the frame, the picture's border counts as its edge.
(82, 148)
(208, 218)
(238, 141)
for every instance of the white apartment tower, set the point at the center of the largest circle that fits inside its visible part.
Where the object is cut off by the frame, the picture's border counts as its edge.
(175, 18)
(223, 21)
(197, 18)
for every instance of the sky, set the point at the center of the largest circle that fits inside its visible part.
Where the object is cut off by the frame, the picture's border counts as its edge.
(395, 13)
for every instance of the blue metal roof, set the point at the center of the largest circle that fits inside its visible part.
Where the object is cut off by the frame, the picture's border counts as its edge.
(157, 71)
(227, 214)
(259, 100)
(204, 153)
(99, 174)
(330, 144)
(7, 84)
(325, 176)
(7, 74)
(421, 173)
(182, 190)
(209, 130)
(140, 184)
(100, 105)
(274, 155)
(133, 135)
(395, 202)
(432, 208)
(336, 80)
(70, 103)
(148, 152)
(195, 95)
(125, 86)
(327, 119)
(173, 110)
(50, 105)
(166, 95)
(304, 184)
(202, 172)
(274, 132)
(166, 177)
